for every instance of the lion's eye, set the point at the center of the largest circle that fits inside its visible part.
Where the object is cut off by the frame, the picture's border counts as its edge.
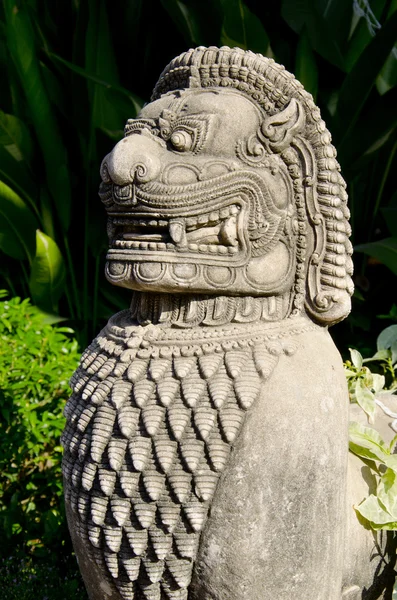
(182, 140)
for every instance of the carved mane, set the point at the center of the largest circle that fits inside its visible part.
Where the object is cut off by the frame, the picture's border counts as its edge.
(323, 281)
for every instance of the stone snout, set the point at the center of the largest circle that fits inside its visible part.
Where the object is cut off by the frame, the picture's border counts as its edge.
(133, 161)
(207, 227)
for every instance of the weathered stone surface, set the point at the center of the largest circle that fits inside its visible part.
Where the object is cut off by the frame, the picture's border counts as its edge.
(206, 438)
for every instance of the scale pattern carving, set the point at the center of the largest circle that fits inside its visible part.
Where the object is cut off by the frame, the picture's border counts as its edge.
(146, 442)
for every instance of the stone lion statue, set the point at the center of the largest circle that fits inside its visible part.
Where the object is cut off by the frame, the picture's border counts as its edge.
(206, 440)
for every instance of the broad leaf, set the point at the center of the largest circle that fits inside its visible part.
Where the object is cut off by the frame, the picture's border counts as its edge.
(390, 216)
(383, 250)
(378, 517)
(364, 28)
(356, 358)
(362, 77)
(21, 44)
(300, 14)
(305, 65)
(18, 225)
(17, 175)
(47, 277)
(371, 131)
(242, 28)
(187, 21)
(387, 338)
(106, 114)
(387, 492)
(367, 443)
(132, 100)
(15, 137)
(365, 399)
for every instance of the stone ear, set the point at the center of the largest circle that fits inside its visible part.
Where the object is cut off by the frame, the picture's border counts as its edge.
(279, 130)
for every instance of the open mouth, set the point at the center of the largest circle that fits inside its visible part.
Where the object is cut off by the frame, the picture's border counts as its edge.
(215, 232)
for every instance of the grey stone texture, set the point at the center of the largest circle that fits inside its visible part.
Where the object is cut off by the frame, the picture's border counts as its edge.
(206, 448)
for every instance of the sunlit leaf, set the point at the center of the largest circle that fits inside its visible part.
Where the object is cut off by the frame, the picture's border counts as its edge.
(365, 399)
(378, 517)
(367, 443)
(356, 358)
(18, 225)
(387, 492)
(47, 277)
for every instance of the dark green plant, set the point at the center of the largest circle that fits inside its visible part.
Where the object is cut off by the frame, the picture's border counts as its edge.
(22, 578)
(36, 361)
(72, 72)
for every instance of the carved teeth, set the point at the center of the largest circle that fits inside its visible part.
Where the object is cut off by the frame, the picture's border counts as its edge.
(228, 232)
(178, 232)
(217, 232)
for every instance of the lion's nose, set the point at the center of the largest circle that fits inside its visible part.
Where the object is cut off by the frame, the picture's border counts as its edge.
(133, 160)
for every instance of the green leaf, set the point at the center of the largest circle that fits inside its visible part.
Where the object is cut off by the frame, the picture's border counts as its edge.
(378, 517)
(383, 250)
(364, 29)
(371, 131)
(387, 492)
(300, 14)
(18, 225)
(305, 65)
(387, 78)
(365, 399)
(51, 319)
(22, 48)
(242, 28)
(367, 443)
(378, 382)
(390, 215)
(17, 175)
(361, 79)
(187, 21)
(356, 358)
(106, 113)
(47, 277)
(387, 338)
(134, 101)
(15, 137)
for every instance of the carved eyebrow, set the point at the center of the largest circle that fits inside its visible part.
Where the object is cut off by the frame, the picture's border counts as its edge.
(133, 125)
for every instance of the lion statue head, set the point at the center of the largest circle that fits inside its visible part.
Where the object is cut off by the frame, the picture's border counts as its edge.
(226, 184)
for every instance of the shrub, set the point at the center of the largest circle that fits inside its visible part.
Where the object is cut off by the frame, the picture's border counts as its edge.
(36, 361)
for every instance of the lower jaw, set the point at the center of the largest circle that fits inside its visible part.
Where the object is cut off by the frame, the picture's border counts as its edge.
(194, 277)
(155, 246)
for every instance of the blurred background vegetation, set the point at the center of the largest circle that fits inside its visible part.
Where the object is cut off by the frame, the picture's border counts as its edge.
(71, 73)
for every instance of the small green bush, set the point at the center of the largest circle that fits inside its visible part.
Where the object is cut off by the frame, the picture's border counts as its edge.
(36, 361)
(22, 578)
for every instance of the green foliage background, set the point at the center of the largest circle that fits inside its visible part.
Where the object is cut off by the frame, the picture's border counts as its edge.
(71, 73)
